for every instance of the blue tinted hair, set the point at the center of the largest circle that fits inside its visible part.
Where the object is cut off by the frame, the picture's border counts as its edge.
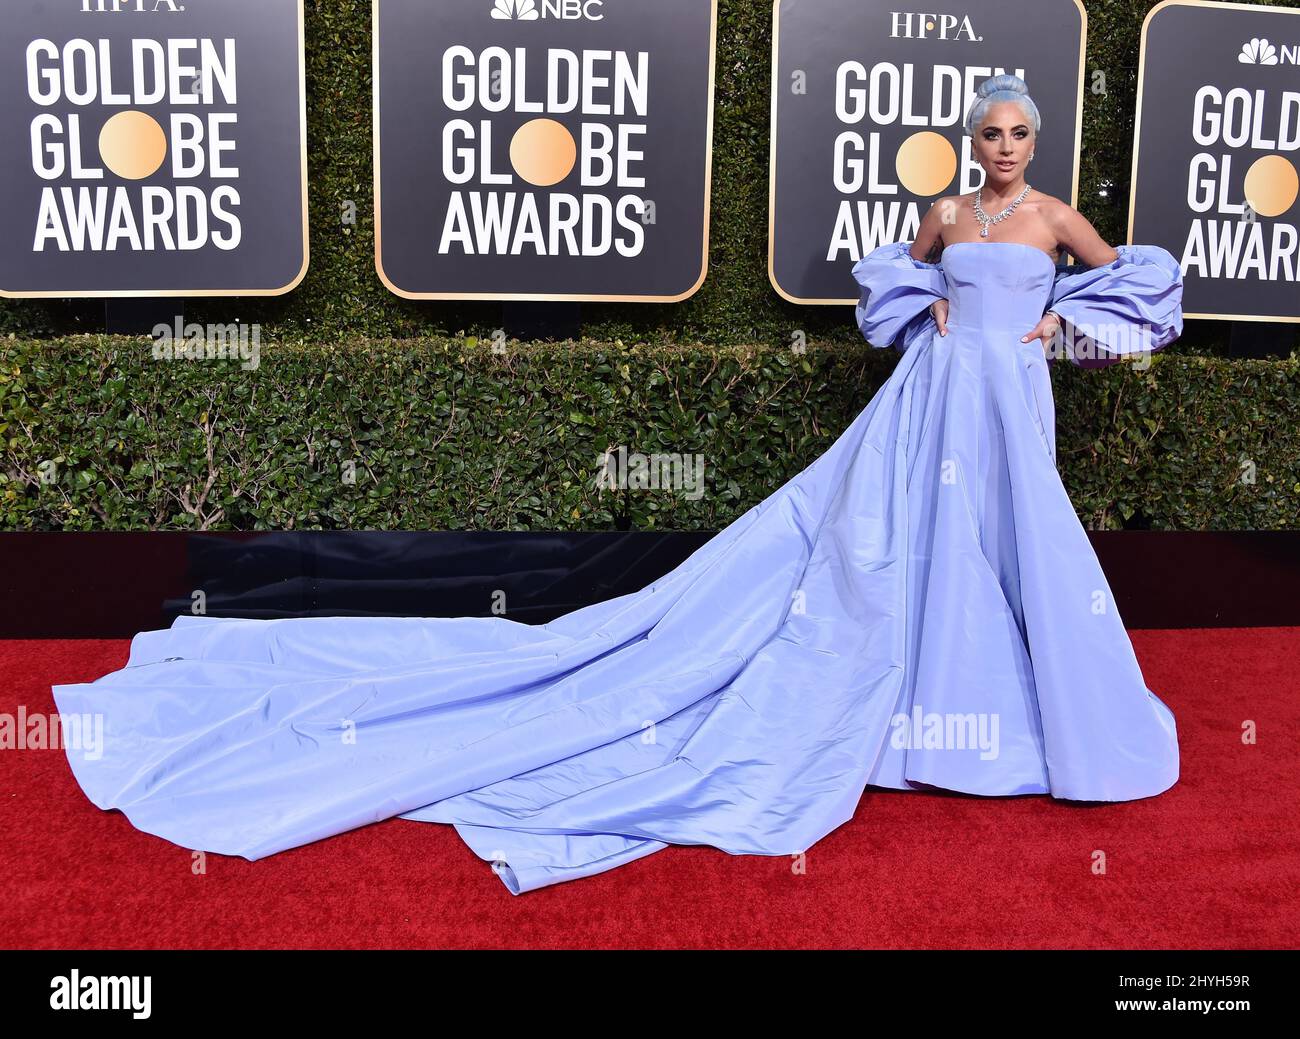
(1001, 88)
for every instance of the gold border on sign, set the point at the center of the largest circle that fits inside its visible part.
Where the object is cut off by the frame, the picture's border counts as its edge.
(1137, 131)
(708, 183)
(771, 166)
(306, 244)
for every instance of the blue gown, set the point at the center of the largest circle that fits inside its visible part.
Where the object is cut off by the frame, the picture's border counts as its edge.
(919, 607)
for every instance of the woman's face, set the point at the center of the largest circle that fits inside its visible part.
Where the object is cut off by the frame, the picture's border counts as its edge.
(1004, 142)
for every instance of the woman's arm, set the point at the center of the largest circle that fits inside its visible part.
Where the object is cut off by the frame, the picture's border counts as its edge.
(1078, 237)
(928, 246)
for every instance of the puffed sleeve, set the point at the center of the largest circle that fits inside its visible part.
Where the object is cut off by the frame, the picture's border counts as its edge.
(1129, 306)
(895, 296)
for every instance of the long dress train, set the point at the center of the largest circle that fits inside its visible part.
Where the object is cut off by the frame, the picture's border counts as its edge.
(920, 606)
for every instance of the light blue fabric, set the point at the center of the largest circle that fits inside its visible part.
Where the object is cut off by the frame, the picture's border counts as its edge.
(918, 606)
(1120, 309)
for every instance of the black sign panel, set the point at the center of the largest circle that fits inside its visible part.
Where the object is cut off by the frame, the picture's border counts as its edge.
(152, 148)
(868, 101)
(1216, 160)
(543, 149)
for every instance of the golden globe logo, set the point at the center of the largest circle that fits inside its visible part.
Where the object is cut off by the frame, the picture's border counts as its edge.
(534, 10)
(80, 208)
(607, 90)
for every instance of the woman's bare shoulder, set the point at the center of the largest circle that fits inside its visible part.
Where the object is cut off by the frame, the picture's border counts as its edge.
(1056, 213)
(954, 200)
(945, 207)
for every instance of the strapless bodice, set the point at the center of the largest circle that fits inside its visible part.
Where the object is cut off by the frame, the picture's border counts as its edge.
(997, 285)
(1124, 308)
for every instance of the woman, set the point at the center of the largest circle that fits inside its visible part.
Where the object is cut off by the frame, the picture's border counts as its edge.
(919, 607)
(1007, 576)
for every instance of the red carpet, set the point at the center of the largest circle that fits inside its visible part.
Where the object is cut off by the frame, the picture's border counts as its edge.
(1212, 863)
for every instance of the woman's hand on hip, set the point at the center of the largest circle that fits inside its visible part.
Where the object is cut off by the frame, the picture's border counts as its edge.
(1047, 329)
(939, 308)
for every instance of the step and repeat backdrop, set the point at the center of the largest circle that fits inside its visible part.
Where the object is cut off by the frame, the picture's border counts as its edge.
(561, 149)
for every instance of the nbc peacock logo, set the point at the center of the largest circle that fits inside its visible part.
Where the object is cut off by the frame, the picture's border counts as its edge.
(533, 10)
(1260, 51)
(516, 10)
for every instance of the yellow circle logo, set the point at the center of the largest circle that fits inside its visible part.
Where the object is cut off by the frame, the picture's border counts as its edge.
(926, 163)
(1271, 185)
(133, 145)
(543, 152)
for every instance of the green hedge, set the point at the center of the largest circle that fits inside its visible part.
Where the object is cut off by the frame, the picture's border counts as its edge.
(446, 434)
(342, 296)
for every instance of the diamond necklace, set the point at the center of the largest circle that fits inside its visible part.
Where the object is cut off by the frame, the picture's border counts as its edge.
(985, 220)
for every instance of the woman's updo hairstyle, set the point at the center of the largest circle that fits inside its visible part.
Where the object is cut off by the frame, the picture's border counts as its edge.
(996, 89)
